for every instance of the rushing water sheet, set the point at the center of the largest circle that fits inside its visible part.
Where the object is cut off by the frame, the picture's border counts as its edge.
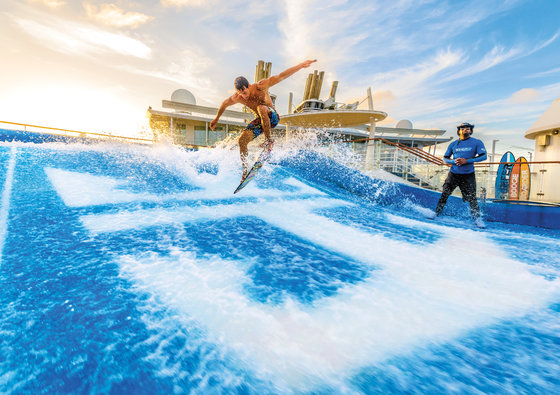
(132, 269)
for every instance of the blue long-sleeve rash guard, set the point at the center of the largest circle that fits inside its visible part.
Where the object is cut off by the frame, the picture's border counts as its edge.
(471, 149)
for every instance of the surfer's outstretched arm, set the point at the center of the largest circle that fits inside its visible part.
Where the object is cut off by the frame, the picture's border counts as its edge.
(230, 101)
(268, 82)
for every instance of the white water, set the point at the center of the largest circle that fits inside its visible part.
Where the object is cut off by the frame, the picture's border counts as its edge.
(420, 296)
(414, 296)
(6, 197)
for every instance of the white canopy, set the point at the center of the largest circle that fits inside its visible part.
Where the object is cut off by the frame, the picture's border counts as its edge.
(549, 121)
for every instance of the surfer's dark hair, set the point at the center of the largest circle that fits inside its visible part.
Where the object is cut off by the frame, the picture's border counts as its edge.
(240, 83)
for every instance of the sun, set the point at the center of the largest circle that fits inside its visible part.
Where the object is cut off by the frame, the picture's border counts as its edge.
(80, 108)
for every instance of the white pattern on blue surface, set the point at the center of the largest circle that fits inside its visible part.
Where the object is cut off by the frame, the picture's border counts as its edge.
(6, 193)
(83, 189)
(412, 298)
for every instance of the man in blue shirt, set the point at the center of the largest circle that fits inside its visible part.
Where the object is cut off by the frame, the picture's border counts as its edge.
(466, 151)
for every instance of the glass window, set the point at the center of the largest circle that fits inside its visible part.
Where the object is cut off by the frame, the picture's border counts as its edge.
(216, 135)
(181, 133)
(200, 135)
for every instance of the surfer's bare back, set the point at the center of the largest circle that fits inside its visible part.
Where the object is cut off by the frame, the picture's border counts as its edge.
(257, 99)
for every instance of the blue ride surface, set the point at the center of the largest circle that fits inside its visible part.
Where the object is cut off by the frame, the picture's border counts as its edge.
(129, 269)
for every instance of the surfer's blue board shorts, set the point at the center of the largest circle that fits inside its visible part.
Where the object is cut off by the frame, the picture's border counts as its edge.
(255, 125)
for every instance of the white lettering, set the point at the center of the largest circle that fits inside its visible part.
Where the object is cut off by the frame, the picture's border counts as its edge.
(513, 186)
(525, 183)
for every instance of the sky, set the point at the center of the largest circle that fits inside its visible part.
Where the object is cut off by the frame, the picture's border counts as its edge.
(96, 66)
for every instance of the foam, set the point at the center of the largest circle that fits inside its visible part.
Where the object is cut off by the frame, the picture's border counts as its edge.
(413, 298)
(79, 189)
(6, 198)
(137, 219)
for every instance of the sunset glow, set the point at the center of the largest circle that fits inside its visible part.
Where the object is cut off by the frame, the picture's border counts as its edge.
(98, 66)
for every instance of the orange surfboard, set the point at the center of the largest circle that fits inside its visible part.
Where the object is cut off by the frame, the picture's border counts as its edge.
(524, 179)
(514, 179)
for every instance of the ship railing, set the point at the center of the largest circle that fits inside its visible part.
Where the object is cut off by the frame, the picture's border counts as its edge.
(414, 165)
(25, 127)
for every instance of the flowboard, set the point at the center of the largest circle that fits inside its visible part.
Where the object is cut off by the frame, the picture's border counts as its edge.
(524, 179)
(263, 157)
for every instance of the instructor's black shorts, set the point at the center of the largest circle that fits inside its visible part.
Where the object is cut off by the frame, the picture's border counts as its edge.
(465, 182)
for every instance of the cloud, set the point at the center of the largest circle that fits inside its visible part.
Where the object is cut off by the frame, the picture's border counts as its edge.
(411, 50)
(75, 38)
(383, 95)
(190, 71)
(524, 95)
(408, 29)
(503, 117)
(524, 105)
(112, 15)
(433, 62)
(50, 3)
(412, 79)
(327, 31)
(545, 44)
(499, 54)
(183, 3)
(496, 56)
(296, 30)
(545, 73)
(331, 33)
(406, 48)
(389, 121)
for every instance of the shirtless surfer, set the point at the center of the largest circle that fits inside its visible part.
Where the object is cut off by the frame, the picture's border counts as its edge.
(257, 99)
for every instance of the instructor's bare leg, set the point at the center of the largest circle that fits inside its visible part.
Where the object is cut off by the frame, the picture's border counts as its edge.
(244, 140)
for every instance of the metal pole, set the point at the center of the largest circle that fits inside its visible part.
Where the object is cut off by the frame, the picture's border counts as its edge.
(307, 87)
(493, 153)
(540, 194)
(314, 81)
(206, 123)
(370, 149)
(333, 90)
(377, 153)
(319, 85)
(290, 100)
